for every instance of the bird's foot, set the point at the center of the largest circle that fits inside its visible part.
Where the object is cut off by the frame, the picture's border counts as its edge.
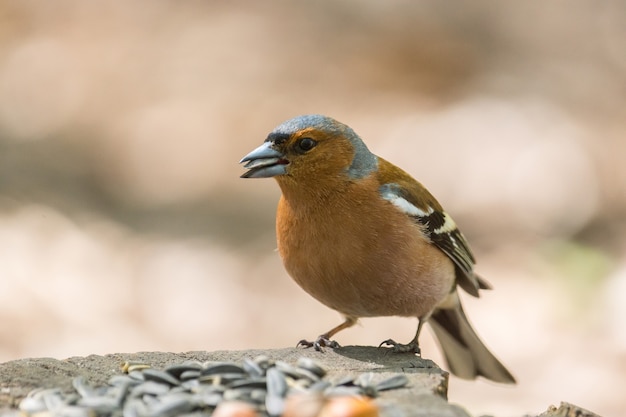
(319, 343)
(411, 347)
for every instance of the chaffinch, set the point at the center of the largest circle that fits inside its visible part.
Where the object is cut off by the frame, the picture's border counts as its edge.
(366, 239)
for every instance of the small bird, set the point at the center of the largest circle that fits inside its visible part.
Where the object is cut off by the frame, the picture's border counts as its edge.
(367, 240)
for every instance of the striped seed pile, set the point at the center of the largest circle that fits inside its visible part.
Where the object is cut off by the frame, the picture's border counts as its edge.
(197, 389)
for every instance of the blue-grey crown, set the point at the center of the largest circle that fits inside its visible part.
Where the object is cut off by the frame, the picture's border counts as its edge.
(364, 161)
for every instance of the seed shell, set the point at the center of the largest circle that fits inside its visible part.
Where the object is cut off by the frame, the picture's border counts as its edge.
(177, 370)
(394, 382)
(222, 368)
(310, 365)
(160, 376)
(253, 368)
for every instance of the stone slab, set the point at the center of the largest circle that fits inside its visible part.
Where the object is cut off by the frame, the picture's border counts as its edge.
(425, 395)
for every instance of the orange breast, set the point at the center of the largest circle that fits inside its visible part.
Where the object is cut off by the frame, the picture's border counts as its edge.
(360, 255)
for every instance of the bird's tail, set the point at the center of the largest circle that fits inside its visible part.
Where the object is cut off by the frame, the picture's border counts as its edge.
(465, 353)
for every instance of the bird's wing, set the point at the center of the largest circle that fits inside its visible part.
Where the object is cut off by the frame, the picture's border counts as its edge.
(412, 198)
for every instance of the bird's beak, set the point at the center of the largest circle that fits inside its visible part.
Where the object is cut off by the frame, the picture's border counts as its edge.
(264, 162)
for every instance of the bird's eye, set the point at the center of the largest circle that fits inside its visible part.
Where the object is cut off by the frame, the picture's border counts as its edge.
(306, 144)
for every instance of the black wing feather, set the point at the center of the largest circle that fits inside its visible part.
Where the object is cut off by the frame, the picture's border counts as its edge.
(453, 244)
(440, 229)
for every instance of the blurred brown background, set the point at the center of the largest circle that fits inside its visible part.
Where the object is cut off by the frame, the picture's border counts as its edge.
(124, 226)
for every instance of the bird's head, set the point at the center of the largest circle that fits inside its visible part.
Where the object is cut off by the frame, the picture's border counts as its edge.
(310, 147)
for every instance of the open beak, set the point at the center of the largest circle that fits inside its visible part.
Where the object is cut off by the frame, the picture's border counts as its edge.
(264, 162)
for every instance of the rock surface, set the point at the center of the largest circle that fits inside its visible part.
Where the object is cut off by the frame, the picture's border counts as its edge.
(425, 395)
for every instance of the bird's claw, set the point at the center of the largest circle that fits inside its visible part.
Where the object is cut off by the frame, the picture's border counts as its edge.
(396, 347)
(319, 343)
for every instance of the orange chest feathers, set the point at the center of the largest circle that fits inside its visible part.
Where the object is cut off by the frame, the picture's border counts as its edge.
(360, 255)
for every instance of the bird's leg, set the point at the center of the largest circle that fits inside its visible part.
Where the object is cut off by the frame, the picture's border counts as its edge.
(413, 346)
(323, 340)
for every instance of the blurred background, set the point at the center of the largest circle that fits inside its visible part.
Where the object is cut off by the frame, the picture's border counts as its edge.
(124, 226)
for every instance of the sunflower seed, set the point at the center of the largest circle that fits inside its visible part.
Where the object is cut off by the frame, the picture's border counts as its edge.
(191, 374)
(239, 394)
(345, 380)
(276, 383)
(31, 405)
(274, 405)
(264, 362)
(253, 368)
(73, 411)
(220, 379)
(394, 382)
(137, 375)
(211, 399)
(160, 376)
(319, 386)
(170, 406)
(134, 408)
(53, 400)
(311, 366)
(258, 395)
(249, 383)
(117, 380)
(150, 388)
(191, 385)
(222, 368)
(364, 380)
(178, 370)
(342, 391)
(286, 369)
(100, 404)
(276, 391)
(80, 385)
